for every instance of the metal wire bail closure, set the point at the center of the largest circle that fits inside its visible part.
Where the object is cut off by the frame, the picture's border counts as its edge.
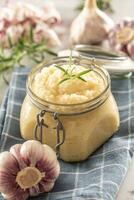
(59, 129)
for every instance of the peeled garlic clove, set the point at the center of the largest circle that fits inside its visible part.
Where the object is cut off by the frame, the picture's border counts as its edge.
(91, 26)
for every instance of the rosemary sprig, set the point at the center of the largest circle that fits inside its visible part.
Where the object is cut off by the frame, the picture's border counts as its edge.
(70, 59)
(83, 72)
(24, 47)
(10, 41)
(68, 74)
(63, 80)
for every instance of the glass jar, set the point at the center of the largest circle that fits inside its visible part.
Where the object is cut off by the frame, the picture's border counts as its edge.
(74, 130)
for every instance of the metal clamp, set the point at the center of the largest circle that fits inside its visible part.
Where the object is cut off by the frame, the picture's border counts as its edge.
(59, 129)
(40, 124)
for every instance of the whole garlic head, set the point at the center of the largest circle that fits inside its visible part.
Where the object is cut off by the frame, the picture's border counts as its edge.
(91, 26)
(121, 37)
(28, 169)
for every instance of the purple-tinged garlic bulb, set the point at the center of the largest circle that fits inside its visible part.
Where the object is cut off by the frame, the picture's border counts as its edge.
(28, 169)
(121, 37)
(91, 26)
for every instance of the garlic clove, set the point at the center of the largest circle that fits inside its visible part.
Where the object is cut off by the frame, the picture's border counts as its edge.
(32, 152)
(8, 162)
(49, 164)
(15, 150)
(17, 195)
(8, 170)
(46, 186)
(91, 26)
(7, 183)
(50, 152)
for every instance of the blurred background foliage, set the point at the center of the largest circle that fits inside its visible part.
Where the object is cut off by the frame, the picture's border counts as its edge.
(104, 5)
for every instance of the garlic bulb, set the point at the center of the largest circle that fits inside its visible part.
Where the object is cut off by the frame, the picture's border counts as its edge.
(28, 169)
(91, 26)
(17, 18)
(121, 37)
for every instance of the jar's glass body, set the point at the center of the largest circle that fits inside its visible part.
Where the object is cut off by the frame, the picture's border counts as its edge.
(85, 130)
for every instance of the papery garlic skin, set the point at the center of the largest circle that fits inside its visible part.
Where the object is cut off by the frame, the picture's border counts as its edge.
(121, 37)
(91, 26)
(27, 170)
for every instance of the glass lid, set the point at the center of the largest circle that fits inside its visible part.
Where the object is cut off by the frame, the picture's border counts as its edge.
(99, 52)
(117, 63)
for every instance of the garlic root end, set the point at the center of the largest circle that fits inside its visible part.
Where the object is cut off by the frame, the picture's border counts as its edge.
(29, 177)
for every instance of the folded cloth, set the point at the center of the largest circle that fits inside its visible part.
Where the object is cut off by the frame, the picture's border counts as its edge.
(100, 176)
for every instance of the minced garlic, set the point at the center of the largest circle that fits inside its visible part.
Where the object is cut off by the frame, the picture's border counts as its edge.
(46, 85)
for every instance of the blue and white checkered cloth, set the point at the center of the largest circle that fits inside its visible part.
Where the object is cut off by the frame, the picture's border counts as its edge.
(97, 178)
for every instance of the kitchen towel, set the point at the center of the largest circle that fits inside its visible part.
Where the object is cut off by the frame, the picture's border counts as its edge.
(100, 176)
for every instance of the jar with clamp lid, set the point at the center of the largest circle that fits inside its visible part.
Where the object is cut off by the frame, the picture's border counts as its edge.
(73, 115)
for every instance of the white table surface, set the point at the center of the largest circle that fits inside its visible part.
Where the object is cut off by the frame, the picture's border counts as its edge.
(122, 8)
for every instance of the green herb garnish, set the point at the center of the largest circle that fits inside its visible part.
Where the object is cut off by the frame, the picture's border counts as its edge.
(25, 47)
(104, 5)
(69, 74)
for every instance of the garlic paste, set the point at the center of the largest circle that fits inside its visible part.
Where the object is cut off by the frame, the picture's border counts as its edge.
(88, 110)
